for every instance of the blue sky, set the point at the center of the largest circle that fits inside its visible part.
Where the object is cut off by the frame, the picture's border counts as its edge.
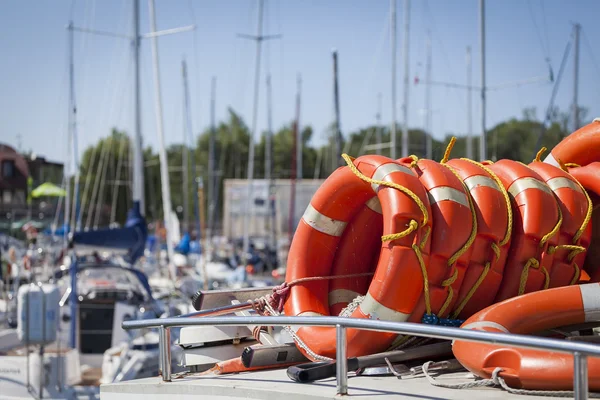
(34, 80)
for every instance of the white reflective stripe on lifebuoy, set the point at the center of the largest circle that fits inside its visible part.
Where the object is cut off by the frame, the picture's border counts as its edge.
(596, 119)
(386, 169)
(522, 184)
(374, 204)
(442, 193)
(590, 295)
(485, 324)
(375, 310)
(562, 182)
(476, 181)
(551, 160)
(342, 296)
(323, 223)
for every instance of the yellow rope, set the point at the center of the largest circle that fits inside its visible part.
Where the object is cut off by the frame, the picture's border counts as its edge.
(508, 233)
(414, 161)
(577, 274)
(574, 250)
(571, 165)
(448, 150)
(548, 235)
(447, 283)
(496, 250)
(532, 263)
(472, 291)
(539, 154)
(425, 278)
(427, 230)
(396, 186)
(473, 234)
(588, 215)
(413, 226)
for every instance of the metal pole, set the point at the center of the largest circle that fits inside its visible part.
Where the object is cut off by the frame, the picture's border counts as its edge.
(336, 159)
(393, 45)
(269, 135)
(406, 42)
(469, 106)
(211, 162)
(164, 172)
(73, 129)
(428, 130)
(67, 166)
(483, 141)
(576, 29)
(298, 130)
(185, 150)
(269, 166)
(341, 364)
(138, 160)
(580, 376)
(164, 347)
(249, 199)
(378, 118)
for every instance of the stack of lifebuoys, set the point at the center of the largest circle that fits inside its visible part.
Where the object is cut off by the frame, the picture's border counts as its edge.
(443, 240)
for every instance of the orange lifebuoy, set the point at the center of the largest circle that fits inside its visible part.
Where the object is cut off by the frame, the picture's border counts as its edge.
(535, 224)
(398, 281)
(581, 147)
(531, 313)
(574, 235)
(588, 176)
(486, 265)
(357, 252)
(451, 237)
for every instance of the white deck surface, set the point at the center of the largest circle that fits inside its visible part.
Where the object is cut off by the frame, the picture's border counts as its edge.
(276, 385)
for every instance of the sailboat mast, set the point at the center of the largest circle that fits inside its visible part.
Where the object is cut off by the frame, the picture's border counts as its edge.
(428, 111)
(575, 116)
(378, 119)
(138, 160)
(469, 106)
(393, 48)
(406, 42)
(187, 133)
(483, 140)
(269, 165)
(295, 140)
(211, 161)
(164, 168)
(67, 167)
(336, 159)
(250, 203)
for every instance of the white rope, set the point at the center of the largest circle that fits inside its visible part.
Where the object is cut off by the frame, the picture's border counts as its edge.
(294, 336)
(353, 305)
(496, 381)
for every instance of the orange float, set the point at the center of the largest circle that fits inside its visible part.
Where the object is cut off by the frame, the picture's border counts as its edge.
(531, 313)
(452, 235)
(581, 147)
(536, 221)
(398, 281)
(494, 216)
(574, 235)
(357, 252)
(589, 177)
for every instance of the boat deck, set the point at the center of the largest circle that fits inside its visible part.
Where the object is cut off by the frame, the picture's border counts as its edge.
(276, 385)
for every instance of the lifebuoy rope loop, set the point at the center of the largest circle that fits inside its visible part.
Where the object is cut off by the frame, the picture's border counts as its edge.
(556, 228)
(532, 263)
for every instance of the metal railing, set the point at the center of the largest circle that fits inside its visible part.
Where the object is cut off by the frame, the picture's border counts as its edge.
(580, 350)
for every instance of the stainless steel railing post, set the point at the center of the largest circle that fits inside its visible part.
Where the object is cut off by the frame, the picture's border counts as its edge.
(341, 364)
(164, 349)
(580, 376)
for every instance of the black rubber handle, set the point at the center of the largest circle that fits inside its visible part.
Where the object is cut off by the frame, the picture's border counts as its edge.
(314, 371)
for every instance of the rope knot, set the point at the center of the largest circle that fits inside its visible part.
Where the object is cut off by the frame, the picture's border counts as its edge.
(279, 296)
